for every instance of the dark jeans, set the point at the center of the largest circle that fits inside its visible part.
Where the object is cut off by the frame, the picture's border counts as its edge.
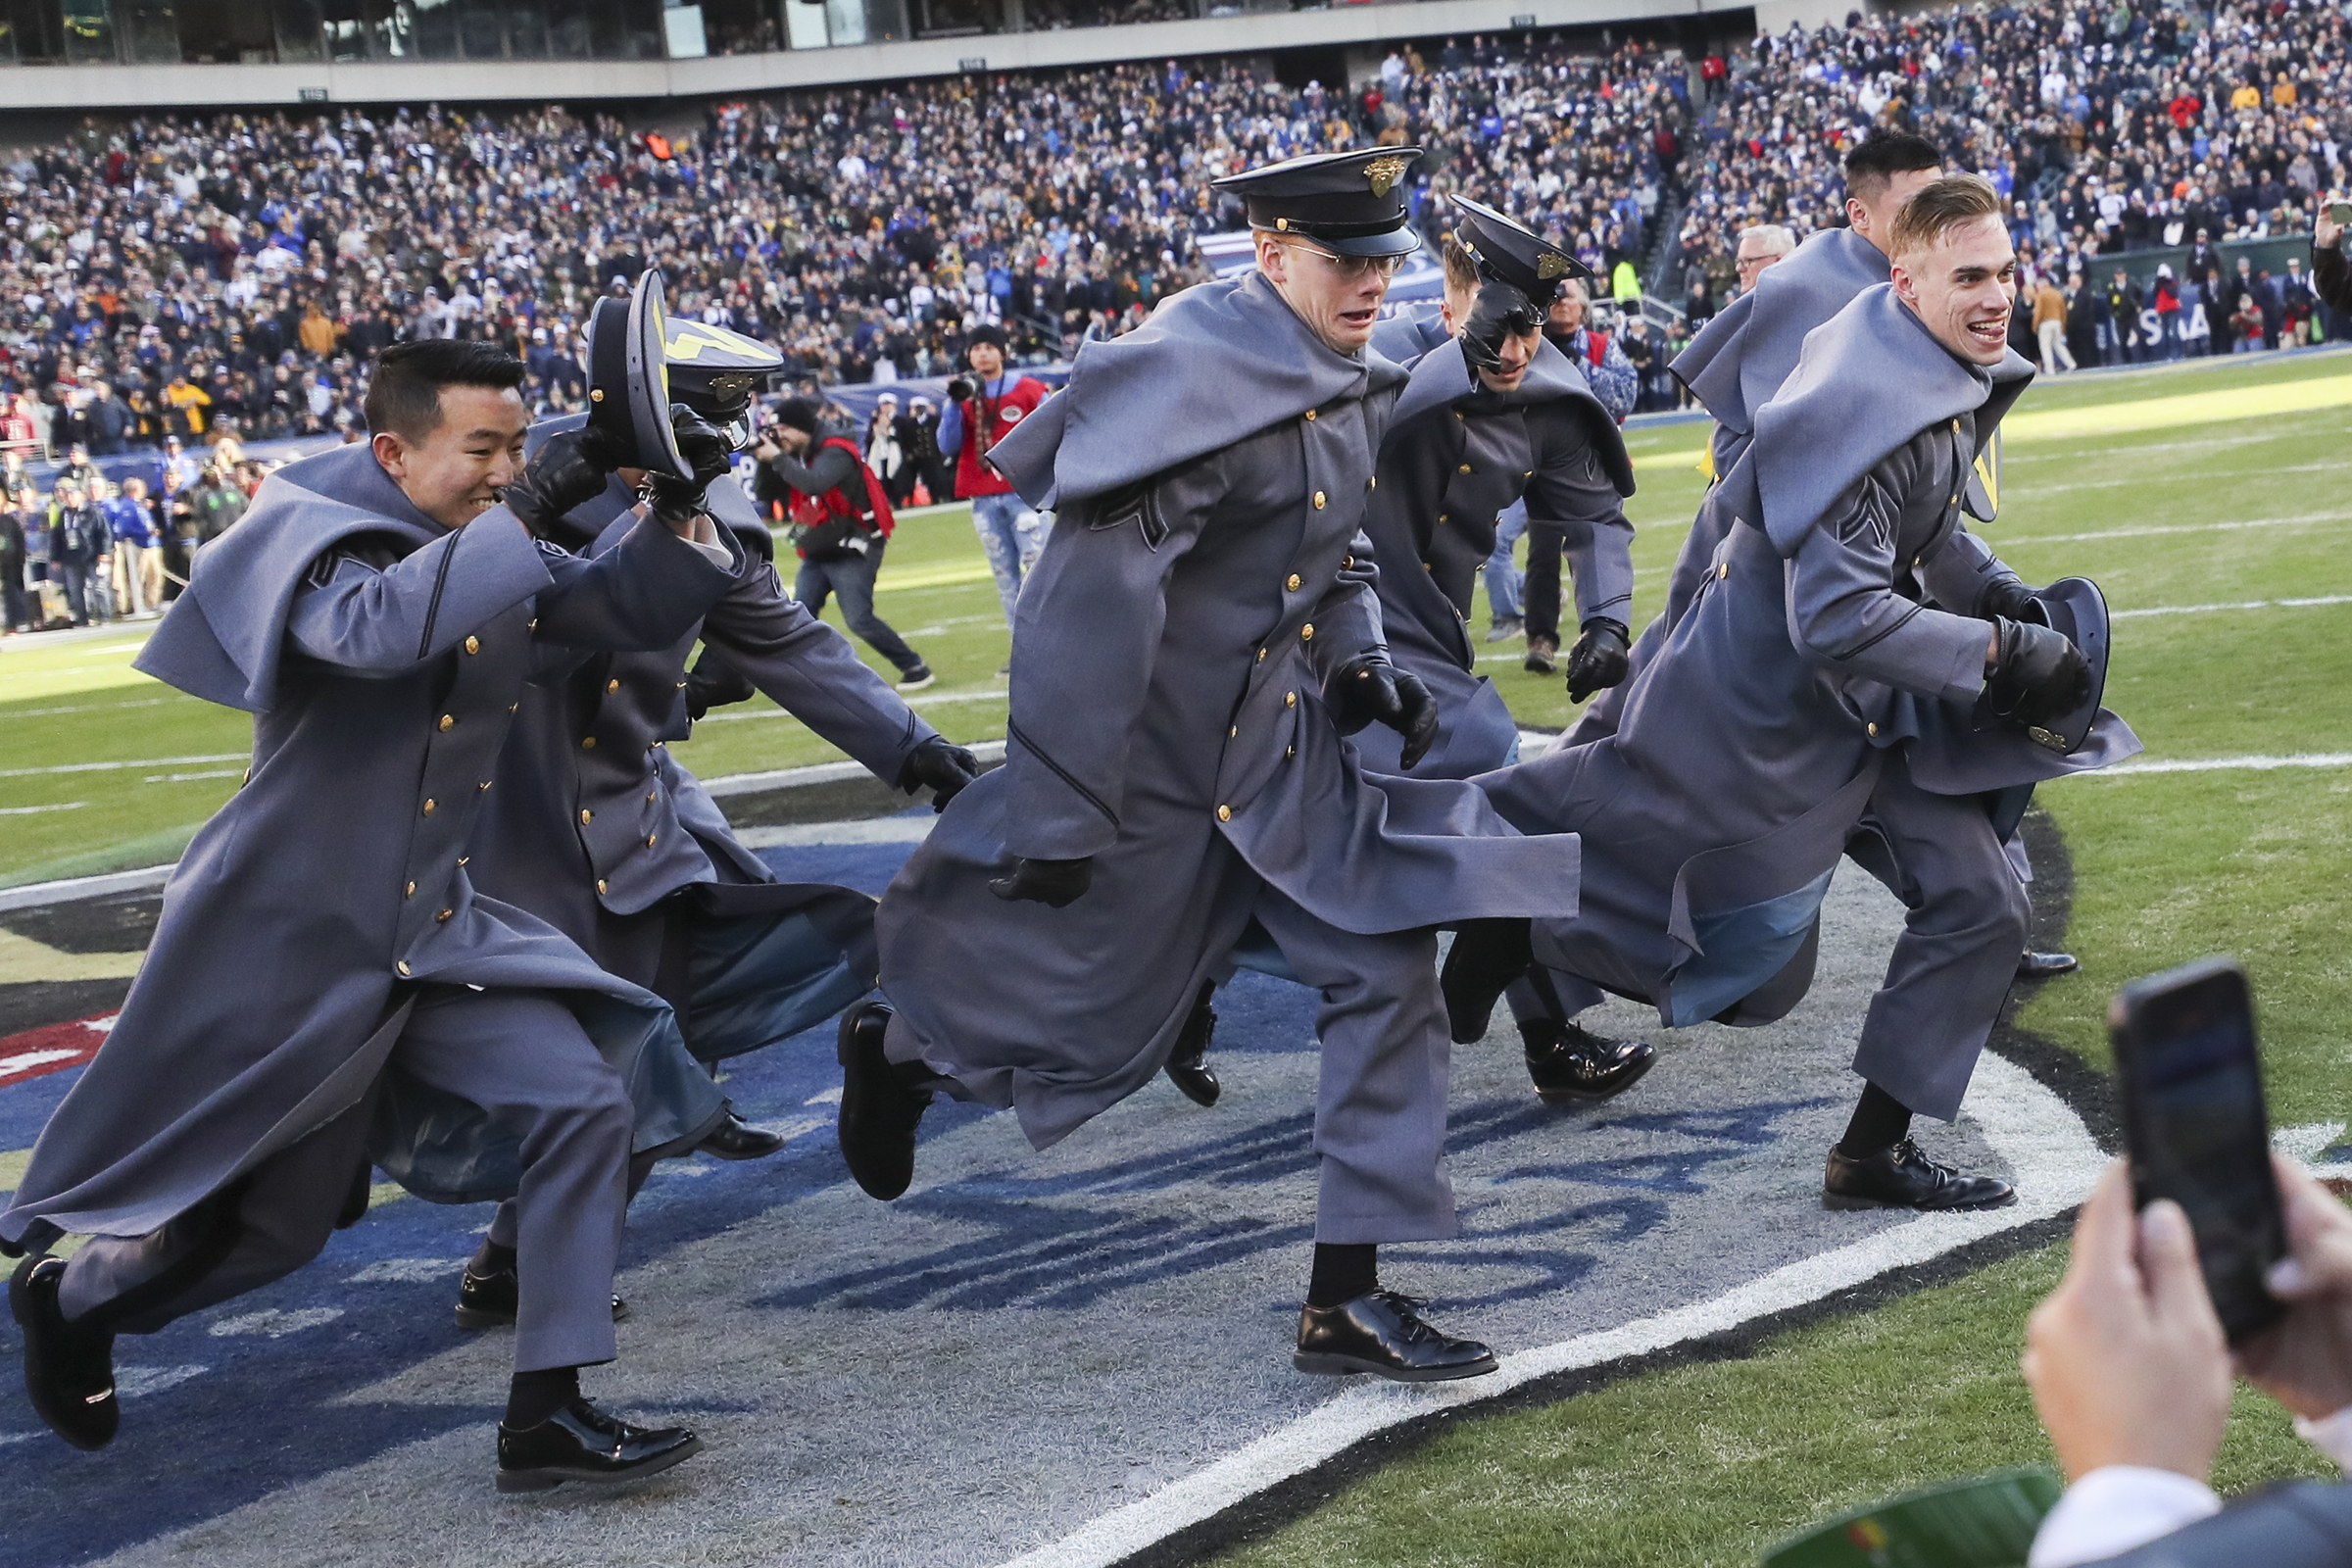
(75, 577)
(12, 596)
(1539, 595)
(853, 577)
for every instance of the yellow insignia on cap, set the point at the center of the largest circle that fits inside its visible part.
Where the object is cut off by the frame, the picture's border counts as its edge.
(1550, 264)
(687, 342)
(1385, 172)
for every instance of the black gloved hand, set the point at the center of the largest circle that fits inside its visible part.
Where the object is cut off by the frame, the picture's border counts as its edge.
(1598, 659)
(1367, 690)
(713, 682)
(706, 451)
(569, 469)
(2007, 599)
(2036, 675)
(946, 770)
(1500, 312)
(962, 389)
(1054, 883)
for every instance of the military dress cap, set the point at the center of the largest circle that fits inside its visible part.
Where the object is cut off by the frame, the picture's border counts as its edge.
(1352, 204)
(628, 379)
(715, 372)
(2076, 607)
(1510, 252)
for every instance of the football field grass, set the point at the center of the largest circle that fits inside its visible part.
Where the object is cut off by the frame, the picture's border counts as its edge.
(2209, 503)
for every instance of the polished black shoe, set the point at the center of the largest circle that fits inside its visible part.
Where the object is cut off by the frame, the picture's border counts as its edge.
(69, 1368)
(486, 1299)
(1187, 1065)
(580, 1443)
(878, 1111)
(1486, 955)
(1384, 1334)
(1570, 1063)
(2043, 965)
(1902, 1177)
(737, 1138)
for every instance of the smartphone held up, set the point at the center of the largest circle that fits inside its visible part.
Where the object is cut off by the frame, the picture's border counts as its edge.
(2195, 1127)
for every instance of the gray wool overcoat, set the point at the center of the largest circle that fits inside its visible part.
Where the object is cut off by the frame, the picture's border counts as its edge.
(1207, 572)
(383, 658)
(1833, 625)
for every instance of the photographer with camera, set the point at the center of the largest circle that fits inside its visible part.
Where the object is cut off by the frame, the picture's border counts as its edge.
(841, 520)
(2131, 1375)
(980, 407)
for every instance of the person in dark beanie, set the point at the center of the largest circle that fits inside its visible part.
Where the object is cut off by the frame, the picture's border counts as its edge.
(841, 520)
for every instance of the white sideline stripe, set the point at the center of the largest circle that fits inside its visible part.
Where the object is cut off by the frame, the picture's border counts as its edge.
(33, 895)
(36, 810)
(2219, 764)
(2045, 1143)
(803, 835)
(2009, 540)
(817, 773)
(108, 767)
(2246, 604)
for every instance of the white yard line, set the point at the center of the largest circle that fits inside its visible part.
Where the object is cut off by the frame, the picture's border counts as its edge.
(110, 768)
(2243, 603)
(36, 810)
(2218, 765)
(2045, 1143)
(2009, 540)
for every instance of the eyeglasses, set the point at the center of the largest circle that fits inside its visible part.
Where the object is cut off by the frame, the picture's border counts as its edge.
(1353, 268)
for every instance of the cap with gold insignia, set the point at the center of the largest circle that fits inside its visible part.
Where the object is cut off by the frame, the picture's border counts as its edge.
(716, 372)
(628, 381)
(1352, 204)
(1509, 251)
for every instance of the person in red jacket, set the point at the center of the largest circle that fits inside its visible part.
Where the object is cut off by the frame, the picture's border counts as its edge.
(980, 407)
(841, 520)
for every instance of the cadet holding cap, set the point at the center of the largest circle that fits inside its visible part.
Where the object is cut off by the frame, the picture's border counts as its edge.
(324, 965)
(1201, 632)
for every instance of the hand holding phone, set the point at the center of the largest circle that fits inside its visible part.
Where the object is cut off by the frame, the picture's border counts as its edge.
(2195, 1128)
(2305, 1362)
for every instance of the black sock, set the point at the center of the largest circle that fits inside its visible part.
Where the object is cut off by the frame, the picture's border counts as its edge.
(1344, 1271)
(491, 1258)
(534, 1396)
(1881, 1121)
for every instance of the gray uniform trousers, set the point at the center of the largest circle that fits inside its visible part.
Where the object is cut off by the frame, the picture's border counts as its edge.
(1963, 926)
(1380, 1100)
(520, 1055)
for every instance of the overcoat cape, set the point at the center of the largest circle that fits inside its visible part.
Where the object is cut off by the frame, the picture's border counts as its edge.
(305, 911)
(1714, 815)
(1207, 571)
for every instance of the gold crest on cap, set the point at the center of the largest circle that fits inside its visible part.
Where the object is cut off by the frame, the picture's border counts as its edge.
(1550, 264)
(1385, 172)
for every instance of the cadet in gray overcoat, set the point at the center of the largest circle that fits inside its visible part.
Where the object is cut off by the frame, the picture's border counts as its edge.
(1201, 633)
(1828, 672)
(323, 952)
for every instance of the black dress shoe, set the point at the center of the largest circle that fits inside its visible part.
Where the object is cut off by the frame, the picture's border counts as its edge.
(1902, 1177)
(486, 1299)
(69, 1368)
(878, 1111)
(737, 1138)
(1188, 1063)
(1382, 1333)
(580, 1443)
(1572, 1064)
(2043, 965)
(1486, 957)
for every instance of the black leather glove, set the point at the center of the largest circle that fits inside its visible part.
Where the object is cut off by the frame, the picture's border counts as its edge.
(1600, 659)
(1054, 883)
(962, 389)
(1499, 312)
(1369, 690)
(946, 770)
(569, 470)
(713, 682)
(2007, 599)
(2038, 675)
(706, 451)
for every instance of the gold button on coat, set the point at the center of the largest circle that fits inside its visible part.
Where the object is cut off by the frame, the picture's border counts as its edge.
(1319, 500)
(444, 915)
(586, 817)
(613, 685)
(588, 743)
(410, 891)
(1306, 633)
(429, 806)
(449, 721)
(648, 838)
(1224, 813)
(403, 966)
(1311, 413)
(1293, 582)
(474, 644)
(533, 625)
(1465, 467)
(1290, 699)
(1873, 728)
(599, 884)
